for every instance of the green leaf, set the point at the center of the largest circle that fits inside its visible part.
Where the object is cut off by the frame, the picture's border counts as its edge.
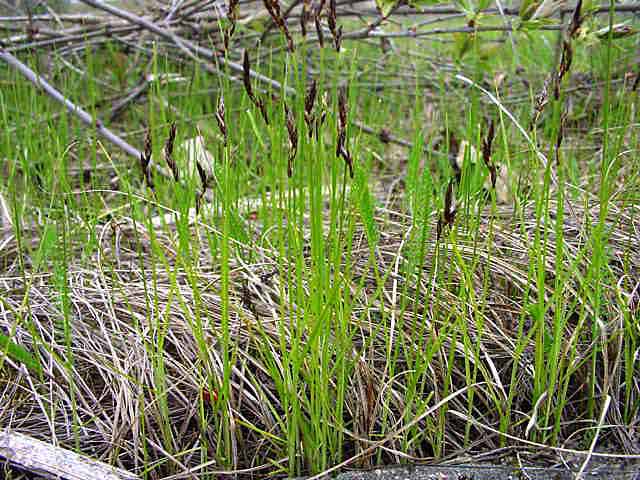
(527, 8)
(489, 50)
(365, 206)
(19, 354)
(423, 3)
(257, 21)
(532, 25)
(468, 7)
(462, 44)
(483, 5)
(385, 6)
(47, 245)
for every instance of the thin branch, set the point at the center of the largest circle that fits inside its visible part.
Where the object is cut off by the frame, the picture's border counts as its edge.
(84, 116)
(70, 18)
(185, 45)
(365, 33)
(387, 137)
(71, 38)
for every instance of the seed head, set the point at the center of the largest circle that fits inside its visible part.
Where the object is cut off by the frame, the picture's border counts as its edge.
(293, 138)
(220, 118)
(168, 152)
(145, 159)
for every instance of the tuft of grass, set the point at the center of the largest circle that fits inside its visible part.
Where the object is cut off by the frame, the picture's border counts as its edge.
(306, 296)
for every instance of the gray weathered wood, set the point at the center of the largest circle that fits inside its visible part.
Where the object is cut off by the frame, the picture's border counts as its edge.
(53, 462)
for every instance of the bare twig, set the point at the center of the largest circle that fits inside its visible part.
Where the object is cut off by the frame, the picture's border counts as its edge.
(185, 45)
(84, 116)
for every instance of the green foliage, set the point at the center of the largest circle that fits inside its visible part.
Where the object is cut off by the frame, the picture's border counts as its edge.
(423, 3)
(366, 207)
(48, 246)
(385, 6)
(307, 316)
(19, 354)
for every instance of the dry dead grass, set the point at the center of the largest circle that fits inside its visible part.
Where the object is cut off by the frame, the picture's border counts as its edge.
(108, 387)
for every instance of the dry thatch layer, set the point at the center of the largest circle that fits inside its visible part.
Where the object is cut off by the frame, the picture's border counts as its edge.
(101, 371)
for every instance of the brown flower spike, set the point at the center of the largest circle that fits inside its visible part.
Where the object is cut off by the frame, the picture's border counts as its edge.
(273, 7)
(316, 19)
(145, 160)
(168, 152)
(341, 148)
(246, 80)
(486, 154)
(336, 32)
(309, 102)
(220, 118)
(204, 179)
(293, 138)
(449, 212)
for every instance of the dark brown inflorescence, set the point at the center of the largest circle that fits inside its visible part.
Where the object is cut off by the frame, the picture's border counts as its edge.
(246, 80)
(168, 152)
(220, 118)
(449, 211)
(487, 143)
(273, 7)
(292, 130)
(145, 160)
(341, 148)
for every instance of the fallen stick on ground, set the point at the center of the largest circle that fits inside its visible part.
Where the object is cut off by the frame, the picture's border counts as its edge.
(49, 461)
